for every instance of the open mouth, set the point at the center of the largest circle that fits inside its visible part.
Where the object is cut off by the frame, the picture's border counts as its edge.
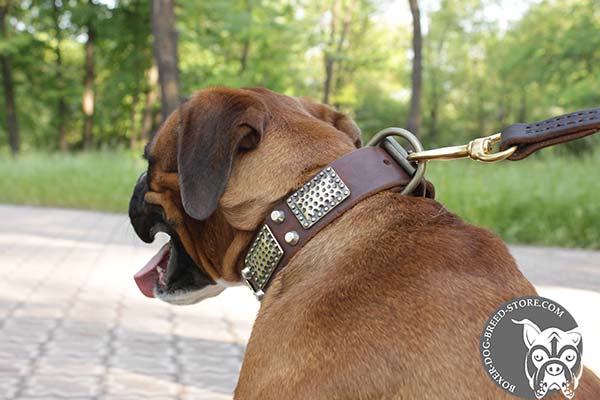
(172, 276)
(152, 276)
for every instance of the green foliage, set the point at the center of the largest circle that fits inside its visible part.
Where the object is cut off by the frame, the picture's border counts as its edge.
(478, 75)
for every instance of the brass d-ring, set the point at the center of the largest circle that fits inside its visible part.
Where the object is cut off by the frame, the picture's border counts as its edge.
(417, 147)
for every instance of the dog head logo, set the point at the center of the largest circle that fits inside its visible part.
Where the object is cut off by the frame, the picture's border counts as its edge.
(553, 360)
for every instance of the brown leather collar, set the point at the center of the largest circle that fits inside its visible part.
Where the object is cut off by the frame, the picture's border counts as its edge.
(330, 193)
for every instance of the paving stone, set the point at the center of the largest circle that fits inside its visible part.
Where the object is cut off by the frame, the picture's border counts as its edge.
(194, 393)
(132, 384)
(136, 397)
(8, 386)
(149, 364)
(61, 385)
(12, 351)
(14, 367)
(52, 365)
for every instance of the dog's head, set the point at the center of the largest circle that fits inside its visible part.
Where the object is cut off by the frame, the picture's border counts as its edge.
(215, 168)
(553, 360)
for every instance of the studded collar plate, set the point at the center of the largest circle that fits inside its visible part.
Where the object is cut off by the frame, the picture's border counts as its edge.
(297, 218)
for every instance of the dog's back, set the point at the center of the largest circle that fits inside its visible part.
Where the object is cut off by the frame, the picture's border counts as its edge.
(387, 302)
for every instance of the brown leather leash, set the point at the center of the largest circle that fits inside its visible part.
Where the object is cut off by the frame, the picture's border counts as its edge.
(520, 140)
(531, 137)
(385, 165)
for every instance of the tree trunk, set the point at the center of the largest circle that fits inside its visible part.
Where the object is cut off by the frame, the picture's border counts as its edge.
(151, 96)
(327, 56)
(331, 53)
(165, 52)
(414, 115)
(61, 106)
(88, 92)
(436, 89)
(246, 41)
(328, 79)
(434, 99)
(9, 94)
(133, 139)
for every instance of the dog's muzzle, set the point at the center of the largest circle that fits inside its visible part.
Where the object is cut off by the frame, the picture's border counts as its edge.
(171, 274)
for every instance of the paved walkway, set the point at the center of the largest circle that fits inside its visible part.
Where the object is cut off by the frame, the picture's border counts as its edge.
(74, 326)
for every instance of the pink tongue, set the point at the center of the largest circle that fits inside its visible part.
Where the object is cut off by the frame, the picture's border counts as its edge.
(147, 277)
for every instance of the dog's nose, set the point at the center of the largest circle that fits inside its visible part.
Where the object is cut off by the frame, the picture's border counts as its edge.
(554, 369)
(143, 217)
(142, 177)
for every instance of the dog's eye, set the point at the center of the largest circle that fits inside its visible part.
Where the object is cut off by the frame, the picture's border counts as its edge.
(569, 355)
(538, 355)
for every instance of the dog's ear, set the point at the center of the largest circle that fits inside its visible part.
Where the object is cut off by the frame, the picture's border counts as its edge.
(339, 120)
(574, 335)
(530, 331)
(213, 130)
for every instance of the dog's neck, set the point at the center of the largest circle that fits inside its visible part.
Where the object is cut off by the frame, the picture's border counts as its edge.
(296, 219)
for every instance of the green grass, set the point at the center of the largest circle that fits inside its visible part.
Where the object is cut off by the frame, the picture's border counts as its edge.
(550, 201)
(95, 181)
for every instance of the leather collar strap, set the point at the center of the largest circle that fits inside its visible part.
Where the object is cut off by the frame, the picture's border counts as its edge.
(531, 137)
(331, 192)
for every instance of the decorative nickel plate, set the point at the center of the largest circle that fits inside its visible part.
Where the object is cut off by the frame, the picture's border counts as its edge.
(318, 197)
(262, 259)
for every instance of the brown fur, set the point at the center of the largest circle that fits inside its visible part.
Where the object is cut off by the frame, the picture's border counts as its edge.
(387, 302)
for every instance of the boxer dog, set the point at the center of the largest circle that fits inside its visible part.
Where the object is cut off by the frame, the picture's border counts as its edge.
(553, 359)
(386, 302)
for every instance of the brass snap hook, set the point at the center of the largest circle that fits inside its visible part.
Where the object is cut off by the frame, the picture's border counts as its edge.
(480, 149)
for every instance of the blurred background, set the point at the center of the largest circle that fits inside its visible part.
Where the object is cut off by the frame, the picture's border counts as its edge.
(85, 83)
(82, 83)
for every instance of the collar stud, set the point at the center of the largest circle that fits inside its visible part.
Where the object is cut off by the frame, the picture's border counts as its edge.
(291, 238)
(277, 216)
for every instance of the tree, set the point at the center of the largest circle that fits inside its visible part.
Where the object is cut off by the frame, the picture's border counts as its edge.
(165, 52)
(336, 43)
(88, 92)
(414, 115)
(151, 96)
(9, 93)
(246, 37)
(61, 105)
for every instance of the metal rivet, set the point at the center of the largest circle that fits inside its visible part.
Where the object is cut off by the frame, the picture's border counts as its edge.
(246, 273)
(277, 216)
(292, 237)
